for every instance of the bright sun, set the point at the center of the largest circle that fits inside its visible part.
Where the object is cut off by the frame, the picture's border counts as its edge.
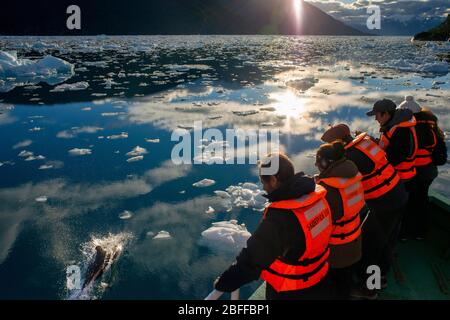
(298, 8)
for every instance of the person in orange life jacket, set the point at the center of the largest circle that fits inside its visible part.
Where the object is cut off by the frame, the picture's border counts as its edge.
(289, 249)
(415, 219)
(345, 195)
(398, 136)
(385, 195)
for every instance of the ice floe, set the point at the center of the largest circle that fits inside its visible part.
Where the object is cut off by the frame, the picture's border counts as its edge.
(244, 195)
(16, 72)
(152, 140)
(125, 215)
(162, 235)
(137, 151)
(210, 210)
(204, 183)
(226, 235)
(135, 159)
(41, 199)
(22, 144)
(123, 135)
(83, 85)
(74, 131)
(80, 152)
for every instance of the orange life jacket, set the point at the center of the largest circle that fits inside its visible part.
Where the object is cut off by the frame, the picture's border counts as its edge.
(423, 156)
(406, 169)
(383, 177)
(348, 228)
(314, 216)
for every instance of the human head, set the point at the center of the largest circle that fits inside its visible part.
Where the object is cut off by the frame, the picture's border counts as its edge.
(284, 173)
(328, 154)
(337, 132)
(383, 110)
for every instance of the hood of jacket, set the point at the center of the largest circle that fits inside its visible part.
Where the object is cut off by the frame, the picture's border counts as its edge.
(343, 168)
(400, 115)
(297, 186)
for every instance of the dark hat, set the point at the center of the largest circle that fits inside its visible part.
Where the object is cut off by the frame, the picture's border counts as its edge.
(384, 105)
(339, 131)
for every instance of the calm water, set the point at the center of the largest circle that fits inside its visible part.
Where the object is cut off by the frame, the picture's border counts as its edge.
(56, 205)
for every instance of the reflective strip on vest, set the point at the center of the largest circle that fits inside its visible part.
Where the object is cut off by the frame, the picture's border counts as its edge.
(406, 169)
(383, 177)
(423, 156)
(312, 266)
(347, 229)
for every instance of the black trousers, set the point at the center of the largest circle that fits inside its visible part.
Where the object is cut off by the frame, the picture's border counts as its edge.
(342, 282)
(373, 244)
(415, 218)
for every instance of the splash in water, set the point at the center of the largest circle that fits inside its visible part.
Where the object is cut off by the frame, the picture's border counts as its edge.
(99, 255)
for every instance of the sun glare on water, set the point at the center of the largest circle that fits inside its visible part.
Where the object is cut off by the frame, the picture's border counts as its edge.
(298, 11)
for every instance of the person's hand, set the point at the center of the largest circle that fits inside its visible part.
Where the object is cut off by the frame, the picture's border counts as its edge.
(215, 282)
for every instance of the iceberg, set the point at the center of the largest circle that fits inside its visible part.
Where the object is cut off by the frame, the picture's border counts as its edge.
(80, 152)
(125, 215)
(210, 210)
(41, 199)
(137, 151)
(152, 140)
(226, 235)
(135, 159)
(22, 144)
(18, 72)
(83, 85)
(123, 135)
(162, 235)
(244, 195)
(204, 183)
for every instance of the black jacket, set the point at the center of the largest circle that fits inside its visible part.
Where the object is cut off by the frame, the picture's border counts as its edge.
(425, 138)
(279, 234)
(394, 199)
(401, 145)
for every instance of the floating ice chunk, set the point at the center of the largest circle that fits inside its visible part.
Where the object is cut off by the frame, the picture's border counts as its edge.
(15, 72)
(46, 167)
(162, 235)
(123, 135)
(80, 152)
(222, 194)
(251, 186)
(137, 151)
(245, 113)
(125, 215)
(135, 159)
(210, 210)
(111, 114)
(22, 144)
(226, 235)
(25, 154)
(246, 195)
(87, 109)
(182, 192)
(204, 183)
(152, 140)
(41, 199)
(438, 67)
(268, 124)
(150, 234)
(83, 85)
(35, 129)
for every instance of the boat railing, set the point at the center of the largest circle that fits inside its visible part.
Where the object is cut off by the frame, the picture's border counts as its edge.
(216, 294)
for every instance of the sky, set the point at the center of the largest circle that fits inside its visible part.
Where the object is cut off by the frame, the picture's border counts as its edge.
(354, 11)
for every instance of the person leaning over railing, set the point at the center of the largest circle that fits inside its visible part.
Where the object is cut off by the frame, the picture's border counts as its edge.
(290, 248)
